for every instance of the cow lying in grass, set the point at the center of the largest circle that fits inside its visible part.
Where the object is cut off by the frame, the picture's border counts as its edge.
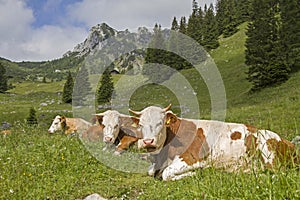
(181, 145)
(118, 129)
(68, 125)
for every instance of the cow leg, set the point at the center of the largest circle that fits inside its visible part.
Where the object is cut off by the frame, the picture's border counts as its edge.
(179, 169)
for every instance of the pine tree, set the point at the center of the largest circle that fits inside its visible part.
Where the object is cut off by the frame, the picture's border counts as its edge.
(194, 28)
(210, 29)
(106, 89)
(31, 119)
(3, 79)
(263, 54)
(175, 26)
(182, 25)
(290, 32)
(226, 17)
(68, 89)
(82, 87)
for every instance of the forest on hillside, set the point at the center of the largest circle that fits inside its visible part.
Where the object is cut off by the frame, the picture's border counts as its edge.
(273, 36)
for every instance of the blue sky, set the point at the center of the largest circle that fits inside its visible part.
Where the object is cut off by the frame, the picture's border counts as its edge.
(38, 30)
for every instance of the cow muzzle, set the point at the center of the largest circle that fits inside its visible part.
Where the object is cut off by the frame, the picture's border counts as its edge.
(108, 139)
(148, 144)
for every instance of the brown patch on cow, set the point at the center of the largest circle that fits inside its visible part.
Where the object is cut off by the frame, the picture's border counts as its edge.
(93, 133)
(198, 150)
(285, 152)
(251, 145)
(251, 129)
(236, 135)
(126, 142)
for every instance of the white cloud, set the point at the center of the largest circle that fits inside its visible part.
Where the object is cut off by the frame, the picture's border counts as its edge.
(130, 14)
(19, 41)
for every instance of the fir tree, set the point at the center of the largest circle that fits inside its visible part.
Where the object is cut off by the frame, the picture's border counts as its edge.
(210, 30)
(182, 25)
(68, 89)
(31, 119)
(3, 79)
(106, 89)
(226, 17)
(263, 55)
(82, 87)
(175, 26)
(290, 32)
(194, 28)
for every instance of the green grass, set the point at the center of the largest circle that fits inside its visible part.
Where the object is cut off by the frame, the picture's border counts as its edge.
(36, 165)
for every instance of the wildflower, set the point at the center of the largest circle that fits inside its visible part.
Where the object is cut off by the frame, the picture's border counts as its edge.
(11, 191)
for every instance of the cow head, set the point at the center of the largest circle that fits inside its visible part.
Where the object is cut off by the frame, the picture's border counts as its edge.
(110, 119)
(152, 125)
(58, 124)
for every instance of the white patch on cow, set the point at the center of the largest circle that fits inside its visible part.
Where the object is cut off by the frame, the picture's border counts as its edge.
(262, 137)
(56, 125)
(179, 169)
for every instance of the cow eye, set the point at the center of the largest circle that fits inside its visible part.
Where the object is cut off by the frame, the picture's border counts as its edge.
(116, 126)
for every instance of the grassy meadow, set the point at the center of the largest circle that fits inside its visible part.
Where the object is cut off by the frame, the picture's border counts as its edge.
(37, 165)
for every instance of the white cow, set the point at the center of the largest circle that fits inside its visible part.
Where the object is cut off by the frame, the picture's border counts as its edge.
(181, 145)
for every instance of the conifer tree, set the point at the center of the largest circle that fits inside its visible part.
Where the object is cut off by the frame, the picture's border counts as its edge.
(68, 89)
(31, 119)
(106, 88)
(182, 25)
(3, 79)
(175, 26)
(263, 55)
(82, 87)
(290, 32)
(194, 28)
(226, 17)
(210, 29)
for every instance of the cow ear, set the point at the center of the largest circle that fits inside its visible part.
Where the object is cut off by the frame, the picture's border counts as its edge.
(170, 118)
(99, 117)
(135, 120)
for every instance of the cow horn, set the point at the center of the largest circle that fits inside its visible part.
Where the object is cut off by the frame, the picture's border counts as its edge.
(167, 108)
(99, 114)
(138, 113)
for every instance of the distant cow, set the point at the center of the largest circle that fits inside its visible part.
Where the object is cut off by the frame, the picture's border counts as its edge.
(118, 129)
(180, 145)
(68, 125)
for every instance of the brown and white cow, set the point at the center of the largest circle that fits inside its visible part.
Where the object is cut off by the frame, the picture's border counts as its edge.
(118, 129)
(68, 125)
(181, 145)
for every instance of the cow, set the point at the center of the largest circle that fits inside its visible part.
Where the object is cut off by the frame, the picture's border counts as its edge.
(68, 125)
(181, 145)
(118, 129)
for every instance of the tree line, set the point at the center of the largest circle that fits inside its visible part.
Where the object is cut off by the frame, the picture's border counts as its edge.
(272, 45)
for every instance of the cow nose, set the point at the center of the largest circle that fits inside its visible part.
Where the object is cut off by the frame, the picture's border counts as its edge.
(108, 139)
(148, 142)
(49, 131)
